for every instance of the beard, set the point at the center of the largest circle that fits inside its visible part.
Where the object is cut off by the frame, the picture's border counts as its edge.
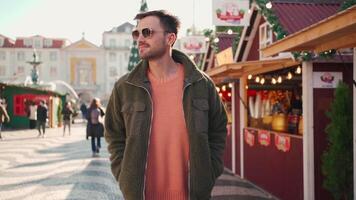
(151, 53)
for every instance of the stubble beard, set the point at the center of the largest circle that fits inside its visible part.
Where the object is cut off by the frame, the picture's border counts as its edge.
(152, 54)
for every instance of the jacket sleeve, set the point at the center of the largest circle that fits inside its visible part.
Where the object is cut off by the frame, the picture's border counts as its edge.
(115, 133)
(217, 130)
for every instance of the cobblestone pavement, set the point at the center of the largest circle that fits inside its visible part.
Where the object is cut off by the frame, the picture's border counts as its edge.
(57, 167)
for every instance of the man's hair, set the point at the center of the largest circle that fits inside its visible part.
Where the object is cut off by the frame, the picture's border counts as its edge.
(169, 22)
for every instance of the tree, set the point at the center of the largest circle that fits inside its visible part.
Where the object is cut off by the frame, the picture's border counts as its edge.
(337, 160)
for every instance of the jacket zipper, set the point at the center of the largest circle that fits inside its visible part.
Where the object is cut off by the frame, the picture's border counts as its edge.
(185, 87)
(149, 137)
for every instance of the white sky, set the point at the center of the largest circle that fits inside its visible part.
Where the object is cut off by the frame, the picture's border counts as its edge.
(70, 18)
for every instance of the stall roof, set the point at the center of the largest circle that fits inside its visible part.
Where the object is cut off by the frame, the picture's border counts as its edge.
(236, 70)
(335, 32)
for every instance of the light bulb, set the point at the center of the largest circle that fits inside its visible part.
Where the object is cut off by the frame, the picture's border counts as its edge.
(279, 80)
(289, 76)
(299, 70)
(216, 40)
(229, 32)
(257, 80)
(274, 81)
(246, 87)
(249, 77)
(230, 85)
(262, 81)
(217, 89)
(223, 88)
(229, 94)
(269, 5)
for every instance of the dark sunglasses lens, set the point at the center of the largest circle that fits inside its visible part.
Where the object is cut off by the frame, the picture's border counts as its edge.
(146, 32)
(135, 34)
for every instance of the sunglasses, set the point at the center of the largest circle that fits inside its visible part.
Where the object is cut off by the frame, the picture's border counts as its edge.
(145, 32)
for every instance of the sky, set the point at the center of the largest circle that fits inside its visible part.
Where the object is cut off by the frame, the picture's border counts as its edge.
(68, 19)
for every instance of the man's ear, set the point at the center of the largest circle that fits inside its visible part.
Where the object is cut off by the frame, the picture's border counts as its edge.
(172, 39)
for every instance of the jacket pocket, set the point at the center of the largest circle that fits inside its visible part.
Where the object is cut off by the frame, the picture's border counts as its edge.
(133, 114)
(201, 115)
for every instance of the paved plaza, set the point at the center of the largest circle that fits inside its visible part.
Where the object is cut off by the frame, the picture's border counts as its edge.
(57, 167)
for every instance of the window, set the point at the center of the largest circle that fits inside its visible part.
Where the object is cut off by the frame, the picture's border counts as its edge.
(112, 43)
(2, 70)
(2, 55)
(1, 42)
(47, 42)
(127, 29)
(113, 72)
(53, 71)
(265, 36)
(53, 56)
(112, 56)
(20, 70)
(20, 56)
(127, 43)
(27, 42)
(37, 43)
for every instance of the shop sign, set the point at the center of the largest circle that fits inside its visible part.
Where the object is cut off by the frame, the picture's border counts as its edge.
(326, 79)
(249, 137)
(225, 56)
(282, 142)
(193, 44)
(264, 137)
(231, 12)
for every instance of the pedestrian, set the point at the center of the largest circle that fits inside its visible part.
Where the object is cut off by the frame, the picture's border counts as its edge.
(41, 118)
(165, 123)
(67, 113)
(84, 109)
(3, 115)
(32, 114)
(95, 129)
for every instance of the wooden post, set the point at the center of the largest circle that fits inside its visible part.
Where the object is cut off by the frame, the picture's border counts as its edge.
(308, 133)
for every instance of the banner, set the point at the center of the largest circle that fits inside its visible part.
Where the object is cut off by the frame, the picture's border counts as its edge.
(193, 44)
(282, 142)
(225, 56)
(230, 12)
(264, 137)
(326, 79)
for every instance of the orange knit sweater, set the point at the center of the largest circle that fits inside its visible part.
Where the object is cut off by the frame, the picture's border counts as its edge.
(168, 152)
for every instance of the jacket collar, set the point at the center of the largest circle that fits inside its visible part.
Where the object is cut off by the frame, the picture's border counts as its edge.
(138, 75)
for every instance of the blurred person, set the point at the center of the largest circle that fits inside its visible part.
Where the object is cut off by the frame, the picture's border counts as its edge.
(67, 113)
(42, 114)
(3, 115)
(95, 129)
(83, 110)
(165, 123)
(32, 114)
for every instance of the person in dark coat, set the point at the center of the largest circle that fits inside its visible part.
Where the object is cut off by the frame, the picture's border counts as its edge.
(41, 118)
(67, 113)
(84, 110)
(95, 129)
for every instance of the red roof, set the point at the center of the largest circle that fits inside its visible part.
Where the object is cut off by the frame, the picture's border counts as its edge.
(56, 43)
(296, 16)
(7, 41)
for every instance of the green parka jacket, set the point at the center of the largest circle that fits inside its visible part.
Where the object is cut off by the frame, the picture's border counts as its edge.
(128, 128)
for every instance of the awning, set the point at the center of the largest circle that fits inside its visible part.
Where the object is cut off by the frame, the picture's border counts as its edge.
(236, 70)
(335, 32)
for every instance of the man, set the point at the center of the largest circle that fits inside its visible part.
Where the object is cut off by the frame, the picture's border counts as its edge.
(165, 123)
(41, 118)
(3, 115)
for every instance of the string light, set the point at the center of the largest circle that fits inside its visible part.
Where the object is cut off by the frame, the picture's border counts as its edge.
(299, 70)
(216, 40)
(249, 77)
(289, 76)
(274, 81)
(269, 5)
(262, 81)
(230, 85)
(217, 89)
(229, 32)
(279, 80)
(223, 88)
(257, 80)
(220, 94)
(229, 94)
(246, 87)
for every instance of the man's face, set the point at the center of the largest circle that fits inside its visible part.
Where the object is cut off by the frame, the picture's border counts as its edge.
(154, 45)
